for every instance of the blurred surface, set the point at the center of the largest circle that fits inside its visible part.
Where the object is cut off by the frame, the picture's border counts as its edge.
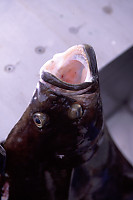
(31, 32)
(116, 81)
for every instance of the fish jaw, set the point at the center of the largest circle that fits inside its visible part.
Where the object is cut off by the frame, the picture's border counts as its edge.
(71, 66)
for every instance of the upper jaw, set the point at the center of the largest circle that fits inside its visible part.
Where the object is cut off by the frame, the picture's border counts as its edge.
(71, 69)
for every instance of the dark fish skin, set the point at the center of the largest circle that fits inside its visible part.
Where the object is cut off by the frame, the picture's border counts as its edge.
(67, 159)
(2, 160)
(2, 166)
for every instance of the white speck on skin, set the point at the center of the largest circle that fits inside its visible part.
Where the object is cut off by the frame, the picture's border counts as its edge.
(60, 156)
(37, 86)
(83, 130)
(5, 191)
(19, 139)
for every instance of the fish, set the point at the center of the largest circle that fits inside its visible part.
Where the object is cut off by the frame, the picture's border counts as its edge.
(60, 148)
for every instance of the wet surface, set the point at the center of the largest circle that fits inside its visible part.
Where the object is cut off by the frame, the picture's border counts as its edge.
(107, 9)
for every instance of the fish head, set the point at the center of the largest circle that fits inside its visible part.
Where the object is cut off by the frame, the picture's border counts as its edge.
(63, 123)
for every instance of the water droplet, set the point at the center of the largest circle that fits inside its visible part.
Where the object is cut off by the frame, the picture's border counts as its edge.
(40, 49)
(74, 30)
(107, 9)
(61, 15)
(9, 68)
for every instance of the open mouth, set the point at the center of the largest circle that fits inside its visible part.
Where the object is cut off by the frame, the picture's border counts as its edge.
(70, 68)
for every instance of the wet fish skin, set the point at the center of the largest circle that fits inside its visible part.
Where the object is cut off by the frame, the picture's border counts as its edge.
(2, 166)
(108, 175)
(53, 139)
(66, 159)
(46, 145)
(2, 160)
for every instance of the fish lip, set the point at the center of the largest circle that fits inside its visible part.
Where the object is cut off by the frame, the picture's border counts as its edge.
(47, 77)
(91, 56)
(53, 80)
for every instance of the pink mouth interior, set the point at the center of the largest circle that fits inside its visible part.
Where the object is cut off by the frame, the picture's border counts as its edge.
(71, 66)
(74, 72)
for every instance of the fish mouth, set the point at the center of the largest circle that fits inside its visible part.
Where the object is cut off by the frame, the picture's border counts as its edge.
(74, 69)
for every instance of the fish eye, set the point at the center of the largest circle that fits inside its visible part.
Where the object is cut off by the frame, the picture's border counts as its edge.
(75, 111)
(40, 119)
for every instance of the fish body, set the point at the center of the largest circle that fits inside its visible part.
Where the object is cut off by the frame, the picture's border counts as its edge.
(59, 149)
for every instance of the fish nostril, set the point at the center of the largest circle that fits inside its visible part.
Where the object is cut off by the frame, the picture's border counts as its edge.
(75, 111)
